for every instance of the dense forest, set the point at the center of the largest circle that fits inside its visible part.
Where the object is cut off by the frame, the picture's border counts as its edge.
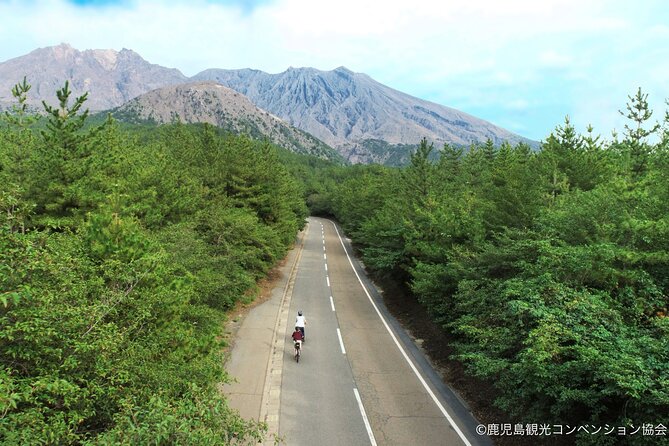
(122, 247)
(548, 269)
(120, 252)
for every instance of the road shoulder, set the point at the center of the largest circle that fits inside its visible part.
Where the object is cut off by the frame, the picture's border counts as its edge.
(251, 335)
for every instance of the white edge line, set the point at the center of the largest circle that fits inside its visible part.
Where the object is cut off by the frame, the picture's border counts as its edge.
(406, 357)
(341, 342)
(364, 417)
(332, 303)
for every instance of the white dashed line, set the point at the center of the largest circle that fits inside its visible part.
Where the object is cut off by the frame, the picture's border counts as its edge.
(404, 354)
(341, 342)
(332, 303)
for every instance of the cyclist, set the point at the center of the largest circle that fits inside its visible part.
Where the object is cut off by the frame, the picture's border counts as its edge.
(297, 339)
(300, 322)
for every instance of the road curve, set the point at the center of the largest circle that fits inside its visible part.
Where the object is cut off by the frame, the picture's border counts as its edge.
(360, 380)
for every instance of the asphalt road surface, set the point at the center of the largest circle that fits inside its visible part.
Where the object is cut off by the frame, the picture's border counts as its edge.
(360, 380)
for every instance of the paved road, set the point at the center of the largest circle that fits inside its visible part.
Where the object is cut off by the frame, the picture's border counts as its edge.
(360, 380)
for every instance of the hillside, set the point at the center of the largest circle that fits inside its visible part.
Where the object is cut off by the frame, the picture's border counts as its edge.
(220, 106)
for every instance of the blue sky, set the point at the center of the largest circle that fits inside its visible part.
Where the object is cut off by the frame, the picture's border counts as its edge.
(520, 64)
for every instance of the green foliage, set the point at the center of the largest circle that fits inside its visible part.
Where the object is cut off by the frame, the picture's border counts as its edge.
(120, 250)
(635, 144)
(195, 420)
(548, 269)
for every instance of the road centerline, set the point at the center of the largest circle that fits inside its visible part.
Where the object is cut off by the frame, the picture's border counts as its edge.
(341, 342)
(320, 385)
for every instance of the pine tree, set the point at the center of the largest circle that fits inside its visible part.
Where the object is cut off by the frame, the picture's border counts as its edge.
(418, 176)
(664, 135)
(489, 150)
(64, 122)
(635, 134)
(17, 142)
(62, 159)
(450, 162)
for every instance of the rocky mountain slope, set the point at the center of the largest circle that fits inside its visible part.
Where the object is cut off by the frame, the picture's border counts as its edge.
(215, 104)
(111, 77)
(355, 114)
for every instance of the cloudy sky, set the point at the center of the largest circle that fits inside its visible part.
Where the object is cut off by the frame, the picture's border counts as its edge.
(521, 64)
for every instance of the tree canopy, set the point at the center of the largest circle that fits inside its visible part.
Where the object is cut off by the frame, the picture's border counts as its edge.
(120, 252)
(547, 269)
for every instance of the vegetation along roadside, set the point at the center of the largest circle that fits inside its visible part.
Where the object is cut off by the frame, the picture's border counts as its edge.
(122, 248)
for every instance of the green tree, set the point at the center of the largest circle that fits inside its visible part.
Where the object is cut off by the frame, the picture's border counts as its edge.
(17, 142)
(639, 113)
(450, 163)
(61, 160)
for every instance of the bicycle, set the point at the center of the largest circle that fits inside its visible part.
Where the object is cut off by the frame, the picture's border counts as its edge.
(298, 350)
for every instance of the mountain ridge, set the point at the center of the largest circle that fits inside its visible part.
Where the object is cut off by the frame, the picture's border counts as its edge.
(364, 120)
(349, 110)
(111, 77)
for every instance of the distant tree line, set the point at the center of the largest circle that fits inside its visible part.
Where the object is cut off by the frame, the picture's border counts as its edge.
(120, 252)
(549, 269)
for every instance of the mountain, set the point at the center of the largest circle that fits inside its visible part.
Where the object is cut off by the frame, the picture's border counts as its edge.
(215, 104)
(112, 77)
(361, 118)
